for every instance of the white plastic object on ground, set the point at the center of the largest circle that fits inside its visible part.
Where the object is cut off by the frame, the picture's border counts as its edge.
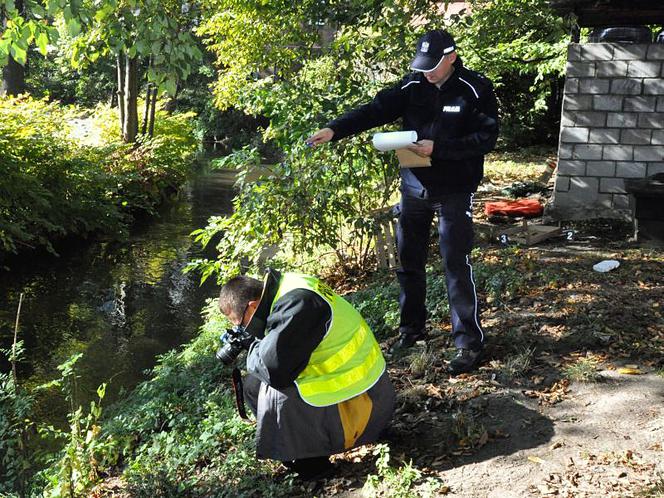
(606, 265)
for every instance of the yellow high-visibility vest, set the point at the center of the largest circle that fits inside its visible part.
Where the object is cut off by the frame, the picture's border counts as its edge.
(348, 361)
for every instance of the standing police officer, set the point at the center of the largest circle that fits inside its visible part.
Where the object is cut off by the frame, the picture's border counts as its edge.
(454, 112)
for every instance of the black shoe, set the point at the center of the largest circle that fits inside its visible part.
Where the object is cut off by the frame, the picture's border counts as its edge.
(466, 360)
(406, 341)
(311, 469)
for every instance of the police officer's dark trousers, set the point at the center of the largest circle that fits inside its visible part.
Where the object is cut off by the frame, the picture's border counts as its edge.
(455, 231)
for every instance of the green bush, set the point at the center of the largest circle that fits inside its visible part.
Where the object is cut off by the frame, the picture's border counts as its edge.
(318, 199)
(62, 174)
(15, 409)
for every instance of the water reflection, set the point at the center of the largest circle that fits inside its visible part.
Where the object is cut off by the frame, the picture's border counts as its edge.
(120, 304)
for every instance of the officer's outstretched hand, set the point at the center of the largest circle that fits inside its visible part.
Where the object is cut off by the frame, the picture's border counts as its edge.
(423, 148)
(320, 137)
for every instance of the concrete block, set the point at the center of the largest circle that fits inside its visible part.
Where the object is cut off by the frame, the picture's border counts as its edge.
(601, 168)
(585, 190)
(612, 185)
(655, 52)
(565, 151)
(624, 51)
(607, 102)
(641, 103)
(649, 153)
(574, 52)
(597, 52)
(574, 135)
(651, 120)
(587, 152)
(657, 137)
(578, 102)
(654, 168)
(653, 86)
(621, 201)
(612, 69)
(644, 69)
(581, 69)
(604, 201)
(571, 86)
(631, 169)
(571, 168)
(621, 120)
(594, 86)
(560, 203)
(660, 104)
(589, 118)
(568, 118)
(562, 183)
(626, 87)
(635, 137)
(604, 136)
(618, 152)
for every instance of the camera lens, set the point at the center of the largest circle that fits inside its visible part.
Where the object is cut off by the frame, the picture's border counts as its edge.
(228, 353)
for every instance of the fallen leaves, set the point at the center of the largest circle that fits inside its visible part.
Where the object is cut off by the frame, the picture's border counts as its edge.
(550, 395)
(629, 371)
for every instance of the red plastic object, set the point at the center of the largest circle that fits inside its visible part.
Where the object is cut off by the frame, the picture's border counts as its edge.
(520, 207)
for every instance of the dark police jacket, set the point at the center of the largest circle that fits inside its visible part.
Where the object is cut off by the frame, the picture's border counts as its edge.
(461, 118)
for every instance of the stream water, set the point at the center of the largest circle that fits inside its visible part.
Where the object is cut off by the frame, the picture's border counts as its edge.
(121, 304)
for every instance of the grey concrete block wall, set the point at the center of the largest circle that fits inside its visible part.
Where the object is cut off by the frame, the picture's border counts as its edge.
(612, 128)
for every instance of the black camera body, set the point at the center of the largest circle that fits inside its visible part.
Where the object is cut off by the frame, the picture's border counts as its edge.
(233, 342)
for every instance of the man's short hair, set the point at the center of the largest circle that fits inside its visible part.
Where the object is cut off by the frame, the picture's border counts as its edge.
(237, 292)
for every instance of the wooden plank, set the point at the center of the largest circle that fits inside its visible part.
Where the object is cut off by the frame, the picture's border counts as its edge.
(380, 248)
(391, 246)
(530, 234)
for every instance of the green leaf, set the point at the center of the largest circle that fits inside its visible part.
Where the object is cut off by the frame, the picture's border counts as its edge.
(169, 86)
(141, 47)
(26, 34)
(73, 27)
(19, 54)
(42, 43)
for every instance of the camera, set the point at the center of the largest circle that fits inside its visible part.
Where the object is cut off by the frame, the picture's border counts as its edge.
(233, 342)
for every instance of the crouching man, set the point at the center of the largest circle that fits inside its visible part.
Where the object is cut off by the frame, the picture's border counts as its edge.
(316, 379)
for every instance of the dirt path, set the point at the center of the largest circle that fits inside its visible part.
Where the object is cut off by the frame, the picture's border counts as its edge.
(603, 439)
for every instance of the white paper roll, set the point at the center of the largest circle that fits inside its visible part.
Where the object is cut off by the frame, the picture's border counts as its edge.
(394, 140)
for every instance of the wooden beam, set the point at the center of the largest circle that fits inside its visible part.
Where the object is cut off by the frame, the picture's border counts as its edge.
(592, 13)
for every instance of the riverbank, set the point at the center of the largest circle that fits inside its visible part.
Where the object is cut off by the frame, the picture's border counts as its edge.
(67, 176)
(551, 391)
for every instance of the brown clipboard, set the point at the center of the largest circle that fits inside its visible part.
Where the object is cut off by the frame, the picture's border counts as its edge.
(408, 159)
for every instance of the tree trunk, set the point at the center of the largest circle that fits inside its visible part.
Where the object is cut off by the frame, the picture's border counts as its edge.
(13, 78)
(148, 98)
(153, 109)
(13, 74)
(130, 127)
(121, 84)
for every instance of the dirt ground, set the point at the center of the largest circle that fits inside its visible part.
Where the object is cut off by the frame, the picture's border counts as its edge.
(569, 400)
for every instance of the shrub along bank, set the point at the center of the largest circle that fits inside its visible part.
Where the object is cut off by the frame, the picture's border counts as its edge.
(63, 174)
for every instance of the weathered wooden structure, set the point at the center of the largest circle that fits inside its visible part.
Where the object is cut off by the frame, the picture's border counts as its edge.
(591, 13)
